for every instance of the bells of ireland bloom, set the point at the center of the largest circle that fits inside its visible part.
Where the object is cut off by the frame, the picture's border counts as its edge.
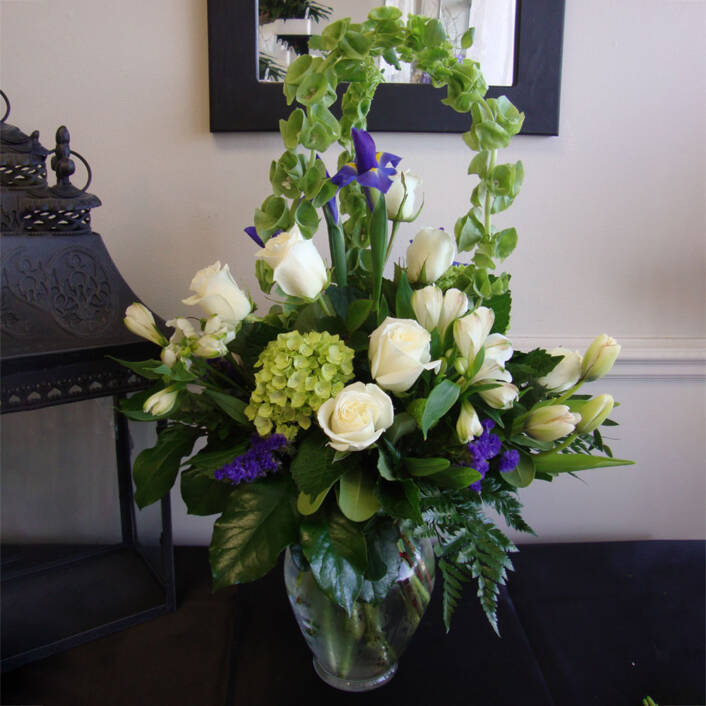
(565, 374)
(594, 413)
(551, 423)
(599, 357)
(430, 254)
(218, 293)
(399, 199)
(356, 417)
(296, 264)
(139, 320)
(399, 353)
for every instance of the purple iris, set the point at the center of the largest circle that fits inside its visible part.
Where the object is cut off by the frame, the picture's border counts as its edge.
(255, 463)
(370, 167)
(252, 232)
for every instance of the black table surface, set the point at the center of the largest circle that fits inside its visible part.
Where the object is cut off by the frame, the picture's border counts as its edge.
(592, 623)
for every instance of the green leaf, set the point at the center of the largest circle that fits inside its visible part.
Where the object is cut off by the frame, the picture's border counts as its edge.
(132, 406)
(308, 505)
(337, 554)
(384, 466)
(469, 232)
(356, 498)
(312, 468)
(383, 562)
(144, 368)
(501, 305)
(440, 401)
(425, 466)
(467, 38)
(455, 477)
(400, 500)
(378, 245)
(203, 494)
(306, 218)
(358, 312)
(232, 406)
(524, 474)
(403, 298)
(258, 523)
(568, 463)
(155, 469)
(505, 242)
(327, 191)
(211, 459)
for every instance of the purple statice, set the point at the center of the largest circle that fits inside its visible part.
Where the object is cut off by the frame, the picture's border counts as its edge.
(509, 460)
(486, 447)
(256, 462)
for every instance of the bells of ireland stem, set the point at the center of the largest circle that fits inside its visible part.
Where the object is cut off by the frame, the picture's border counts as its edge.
(594, 413)
(400, 197)
(430, 254)
(599, 357)
(551, 422)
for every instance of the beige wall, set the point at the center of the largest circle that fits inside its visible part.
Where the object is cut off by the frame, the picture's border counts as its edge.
(612, 220)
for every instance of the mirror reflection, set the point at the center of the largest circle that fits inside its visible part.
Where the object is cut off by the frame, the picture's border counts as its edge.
(285, 28)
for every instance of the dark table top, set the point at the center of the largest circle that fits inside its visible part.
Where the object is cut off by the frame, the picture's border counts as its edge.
(594, 623)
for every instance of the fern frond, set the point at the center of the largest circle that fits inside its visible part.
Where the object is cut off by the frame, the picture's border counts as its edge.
(454, 578)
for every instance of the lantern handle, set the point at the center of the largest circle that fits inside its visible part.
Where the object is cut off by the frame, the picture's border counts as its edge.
(88, 169)
(7, 103)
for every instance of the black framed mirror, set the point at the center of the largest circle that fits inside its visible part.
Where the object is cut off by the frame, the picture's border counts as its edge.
(239, 101)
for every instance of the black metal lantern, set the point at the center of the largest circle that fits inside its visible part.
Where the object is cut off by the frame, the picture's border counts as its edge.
(62, 307)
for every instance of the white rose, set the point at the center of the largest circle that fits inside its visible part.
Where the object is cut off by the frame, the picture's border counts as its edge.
(455, 305)
(356, 417)
(468, 426)
(431, 253)
(399, 353)
(471, 331)
(218, 293)
(139, 320)
(296, 264)
(565, 374)
(161, 402)
(501, 397)
(427, 304)
(396, 193)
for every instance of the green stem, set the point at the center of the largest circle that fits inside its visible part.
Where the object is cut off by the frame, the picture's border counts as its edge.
(395, 227)
(323, 303)
(568, 393)
(491, 166)
(567, 442)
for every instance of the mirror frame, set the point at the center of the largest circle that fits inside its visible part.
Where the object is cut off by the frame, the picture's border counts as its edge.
(239, 102)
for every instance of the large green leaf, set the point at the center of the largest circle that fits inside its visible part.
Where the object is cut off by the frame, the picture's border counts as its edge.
(439, 402)
(400, 500)
(337, 554)
(455, 477)
(258, 523)
(383, 561)
(232, 406)
(426, 466)
(524, 474)
(155, 469)
(568, 463)
(313, 468)
(203, 494)
(357, 498)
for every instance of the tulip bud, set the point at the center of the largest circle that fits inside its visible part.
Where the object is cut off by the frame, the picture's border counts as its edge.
(399, 198)
(161, 402)
(427, 303)
(431, 253)
(454, 306)
(565, 374)
(599, 357)
(468, 426)
(594, 413)
(140, 321)
(501, 397)
(551, 422)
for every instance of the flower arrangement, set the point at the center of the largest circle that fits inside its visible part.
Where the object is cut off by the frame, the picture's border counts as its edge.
(358, 402)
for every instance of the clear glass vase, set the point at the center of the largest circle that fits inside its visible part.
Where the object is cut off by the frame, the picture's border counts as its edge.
(360, 652)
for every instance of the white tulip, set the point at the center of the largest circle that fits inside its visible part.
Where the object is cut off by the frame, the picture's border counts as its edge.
(296, 264)
(501, 397)
(599, 357)
(356, 417)
(594, 413)
(551, 422)
(470, 332)
(139, 320)
(430, 254)
(161, 402)
(399, 353)
(427, 304)
(397, 192)
(566, 373)
(455, 305)
(468, 426)
(218, 293)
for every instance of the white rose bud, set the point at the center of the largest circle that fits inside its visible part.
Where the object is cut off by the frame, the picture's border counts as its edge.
(161, 402)
(431, 253)
(296, 264)
(455, 305)
(551, 422)
(399, 353)
(427, 304)
(599, 357)
(501, 397)
(594, 413)
(356, 417)
(218, 293)
(471, 331)
(566, 373)
(468, 426)
(396, 193)
(140, 321)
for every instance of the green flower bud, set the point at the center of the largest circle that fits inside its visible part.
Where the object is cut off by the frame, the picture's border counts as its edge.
(594, 413)
(599, 357)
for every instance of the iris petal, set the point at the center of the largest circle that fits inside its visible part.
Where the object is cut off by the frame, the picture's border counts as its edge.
(250, 230)
(344, 176)
(377, 179)
(388, 158)
(364, 150)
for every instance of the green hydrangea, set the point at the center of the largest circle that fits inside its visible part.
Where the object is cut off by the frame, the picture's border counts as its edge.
(299, 372)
